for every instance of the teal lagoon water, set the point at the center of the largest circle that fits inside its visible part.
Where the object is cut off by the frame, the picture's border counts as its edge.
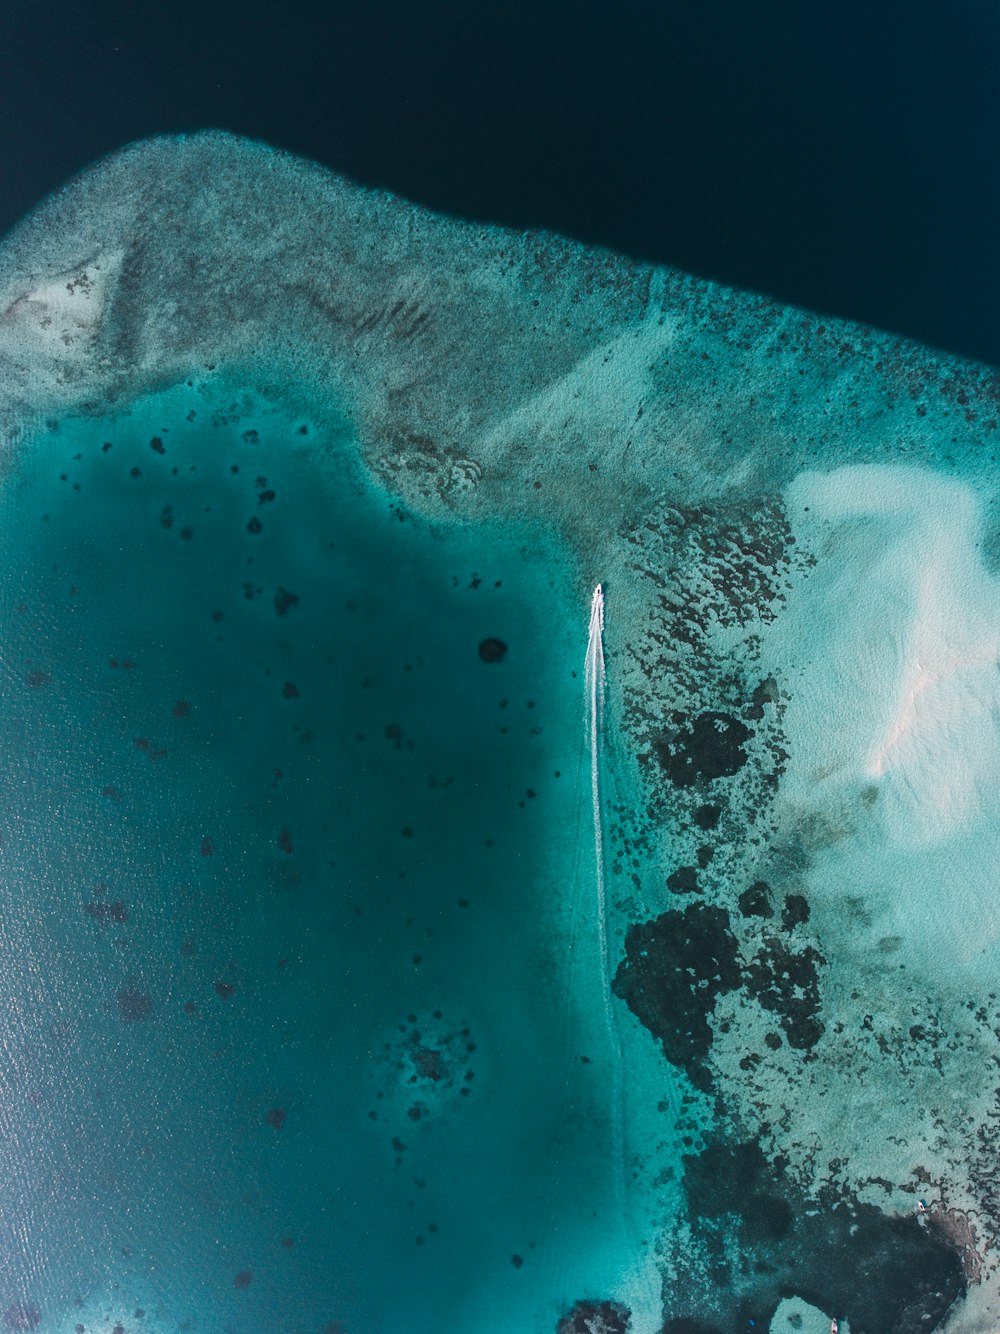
(303, 1012)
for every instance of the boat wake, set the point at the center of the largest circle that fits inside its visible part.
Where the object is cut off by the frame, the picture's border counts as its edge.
(594, 685)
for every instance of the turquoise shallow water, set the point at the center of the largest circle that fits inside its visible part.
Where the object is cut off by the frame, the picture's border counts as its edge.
(304, 1019)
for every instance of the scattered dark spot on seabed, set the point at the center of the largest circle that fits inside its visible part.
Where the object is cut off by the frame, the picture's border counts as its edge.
(106, 913)
(134, 1005)
(22, 1316)
(881, 1273)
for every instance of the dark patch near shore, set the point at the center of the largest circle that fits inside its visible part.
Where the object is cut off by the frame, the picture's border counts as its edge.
(756, 901)
(708, 747)
(787, 984)
(683, 881)
(882, 1273)
(707, 816)
(795, 911)
(765, 693)
(673, 970)
(733, 1178)
(596, 1317)
(678, 964)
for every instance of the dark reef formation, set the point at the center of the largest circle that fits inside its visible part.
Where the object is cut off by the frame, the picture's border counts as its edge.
(711, 745)
(759, 1240)
(786, 982)
(596, 1317)
(676, 966)
(673, 970)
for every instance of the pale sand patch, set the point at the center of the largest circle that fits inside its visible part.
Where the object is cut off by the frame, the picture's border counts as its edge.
(902, 686)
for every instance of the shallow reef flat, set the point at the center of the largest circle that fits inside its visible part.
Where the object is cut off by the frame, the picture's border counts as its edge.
(793, 1114)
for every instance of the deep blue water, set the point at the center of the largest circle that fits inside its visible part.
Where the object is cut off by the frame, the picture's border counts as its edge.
(839, 156)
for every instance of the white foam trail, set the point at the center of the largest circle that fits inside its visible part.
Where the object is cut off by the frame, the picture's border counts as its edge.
(594, 680)
(594, 684)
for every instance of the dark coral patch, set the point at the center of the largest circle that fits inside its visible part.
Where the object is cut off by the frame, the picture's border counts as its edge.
(492, 650)
(284, 601)
(243, 1279)
(276, 1118)
(224, 990)
(673, 970)
(708, 747)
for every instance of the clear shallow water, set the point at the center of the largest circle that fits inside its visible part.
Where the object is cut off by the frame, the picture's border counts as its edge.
(303, 1011)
